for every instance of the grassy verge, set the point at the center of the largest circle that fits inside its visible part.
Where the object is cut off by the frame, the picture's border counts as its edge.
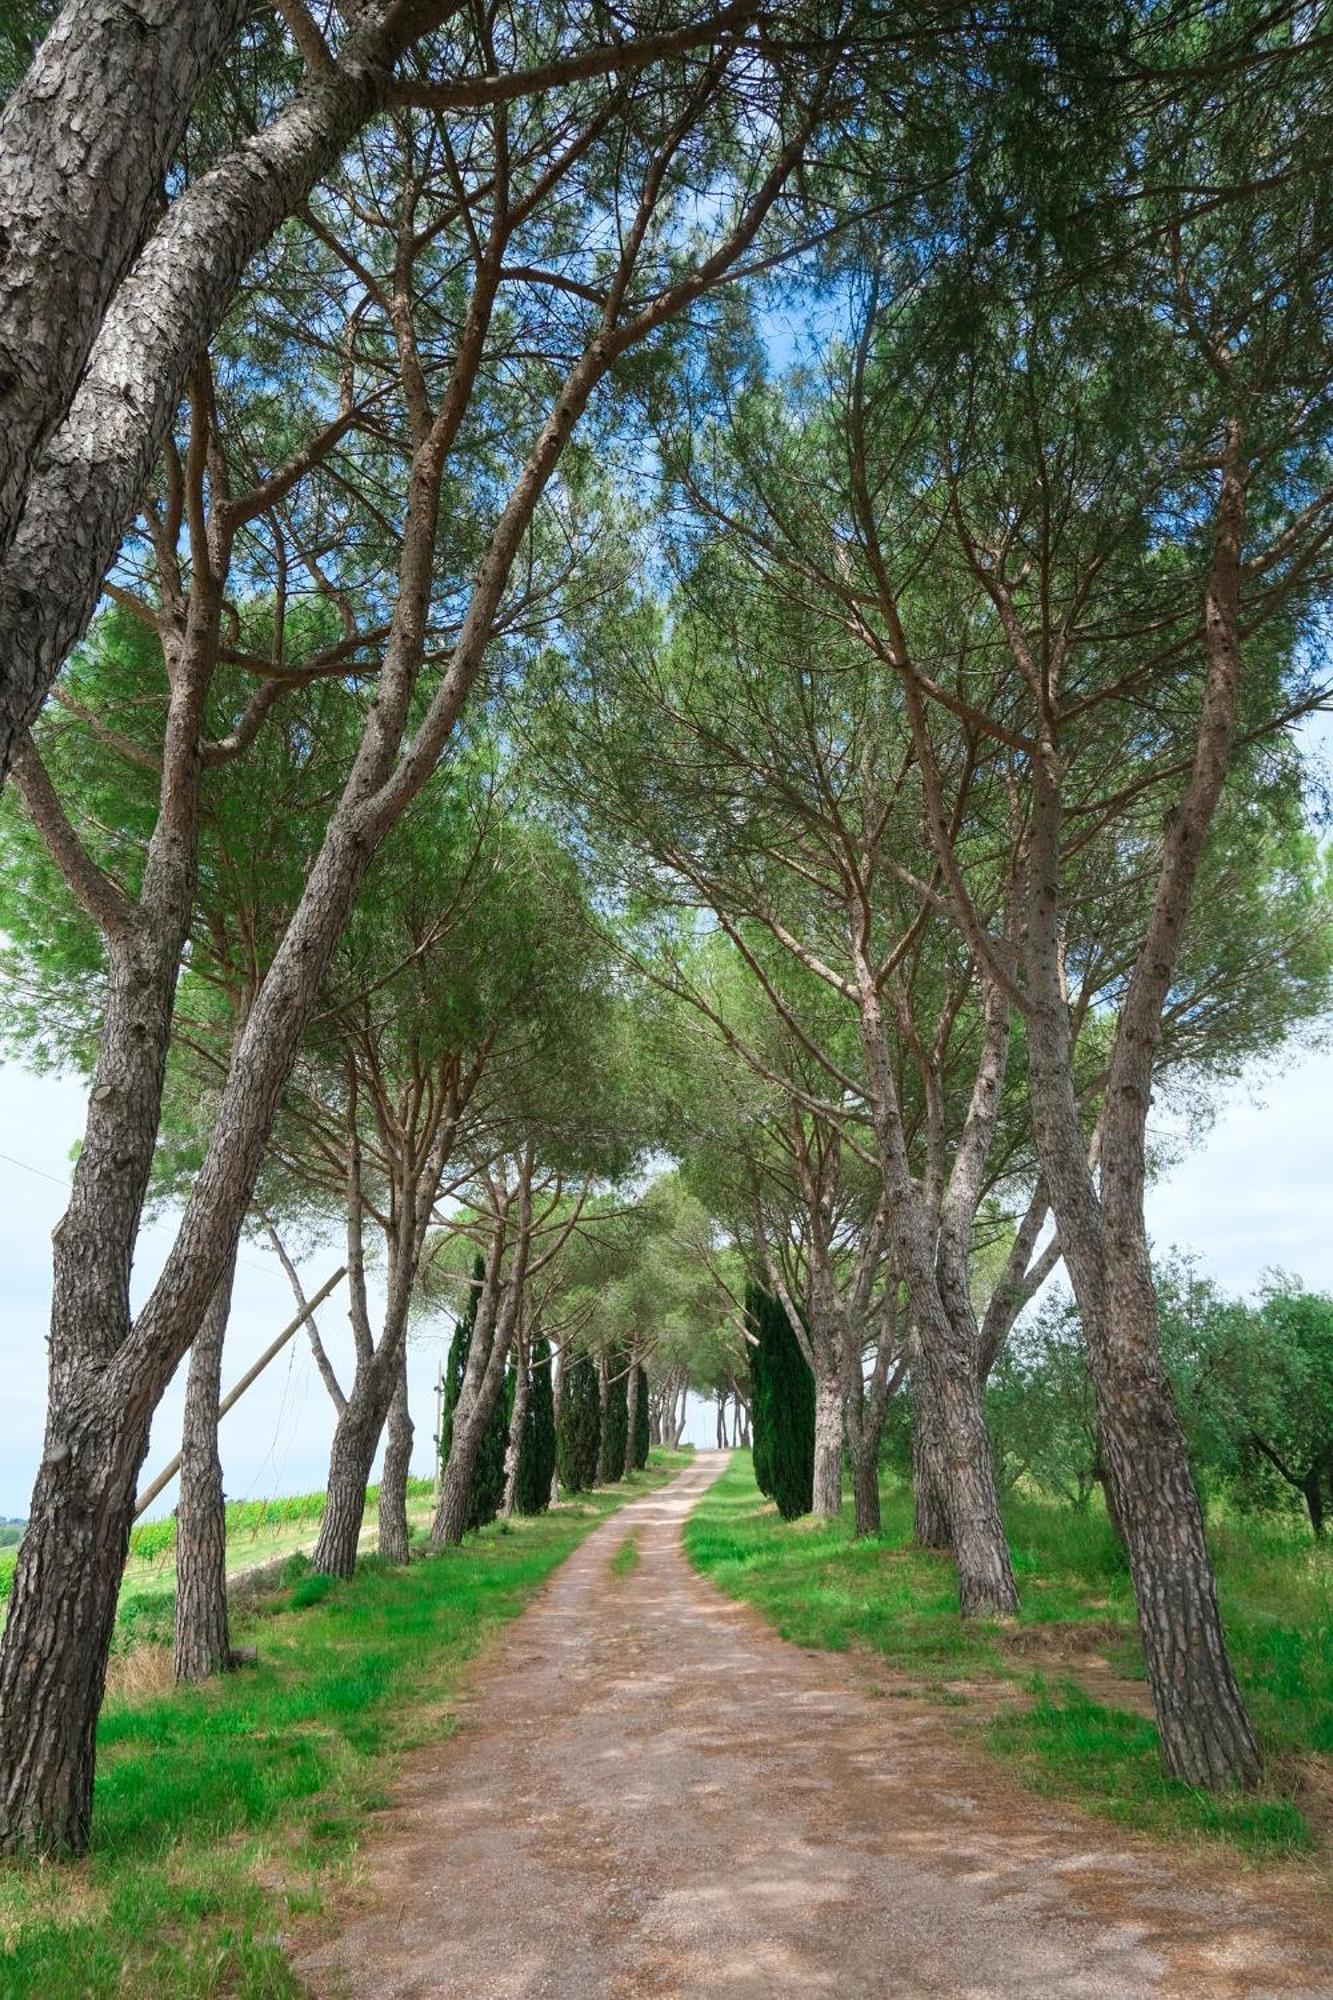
(821, 1589)
(222, 1812)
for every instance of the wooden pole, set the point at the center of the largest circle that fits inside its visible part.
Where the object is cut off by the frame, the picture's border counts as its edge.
(168, 1472)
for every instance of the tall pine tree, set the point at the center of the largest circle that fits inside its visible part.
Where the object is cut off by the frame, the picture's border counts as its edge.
(783, 1407)
(536, 1451)
(579, 1428)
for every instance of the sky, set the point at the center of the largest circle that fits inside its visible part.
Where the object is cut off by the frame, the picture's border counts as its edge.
(1253, 1196)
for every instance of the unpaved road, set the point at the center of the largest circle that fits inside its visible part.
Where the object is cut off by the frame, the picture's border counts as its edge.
(652, 1795)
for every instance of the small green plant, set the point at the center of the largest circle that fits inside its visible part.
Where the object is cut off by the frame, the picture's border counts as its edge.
(626, 1558)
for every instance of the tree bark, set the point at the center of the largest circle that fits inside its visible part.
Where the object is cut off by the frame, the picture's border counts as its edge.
(930, 1496)
(85, 144)
(165, 311)
(826, 1497)
(865, 1487)
(355, 1441)
(202, 1642)
(632, 1409)
(514, 1444)
(948, 1351)
(394, 1535)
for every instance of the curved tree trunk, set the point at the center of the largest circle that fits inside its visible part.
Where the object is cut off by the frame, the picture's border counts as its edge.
(63, 1601)
(202, 1643)
(353, 1454)
(394, 1536)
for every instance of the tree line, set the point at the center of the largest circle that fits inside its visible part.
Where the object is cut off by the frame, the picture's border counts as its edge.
(589, 587)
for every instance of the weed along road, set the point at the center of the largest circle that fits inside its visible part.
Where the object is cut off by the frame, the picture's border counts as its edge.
(652, 1795)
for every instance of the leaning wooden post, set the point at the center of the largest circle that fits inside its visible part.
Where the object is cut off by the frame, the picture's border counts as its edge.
(168, 1472)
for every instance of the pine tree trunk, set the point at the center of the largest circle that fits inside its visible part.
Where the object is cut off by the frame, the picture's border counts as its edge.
(203, 1644)
(451, 1516)
(62, 1611)
(514, 1447)
(826, 1497)
(350, 1461)
(1313, 1489)
(865, 1489)
(632, 1411)
(948, 1350)
(395, 1541)
(930, 1501)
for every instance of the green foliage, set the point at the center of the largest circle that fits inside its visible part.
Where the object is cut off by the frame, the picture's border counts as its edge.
(615, 1421)
(783, 1407)
(536, 1452)
(639, 1442)
(579, 1426)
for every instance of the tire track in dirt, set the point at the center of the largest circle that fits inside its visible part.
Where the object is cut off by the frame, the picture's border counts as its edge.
(652, 1795)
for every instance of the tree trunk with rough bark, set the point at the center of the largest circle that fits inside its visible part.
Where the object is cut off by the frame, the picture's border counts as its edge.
(355, 1442)
(948, 1351)
(85, 144)
(631, 1410)
(930, 1497)
(518, 1417)
(865, 1487)
(202, 1640)
(395, 1541)
(826, 1498)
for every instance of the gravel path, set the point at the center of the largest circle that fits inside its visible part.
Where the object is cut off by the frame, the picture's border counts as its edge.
(652, 1795)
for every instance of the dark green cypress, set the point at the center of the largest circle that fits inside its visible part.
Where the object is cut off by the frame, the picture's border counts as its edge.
(489, 1472)
(783, 1407)
(579, 1426)
(639, 1453)
(536, 1451)
(615, 1421)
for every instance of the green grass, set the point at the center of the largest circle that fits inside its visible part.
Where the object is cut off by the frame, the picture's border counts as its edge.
(223, 1812)
(821, 1589)
(626, 1558)
(257, 1531)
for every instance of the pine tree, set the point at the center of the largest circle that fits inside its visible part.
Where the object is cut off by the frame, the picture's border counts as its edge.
(489, 1473)
(641, 1440)
(536, 1452)
(579, 1427)
(615, 1421)
(783, 1408)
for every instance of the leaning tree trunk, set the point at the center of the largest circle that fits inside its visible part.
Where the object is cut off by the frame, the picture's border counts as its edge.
(451, 1516)
(353, 1453)
(63, 1600)
(827, 1492)
(394, 1536)
(203, 1643)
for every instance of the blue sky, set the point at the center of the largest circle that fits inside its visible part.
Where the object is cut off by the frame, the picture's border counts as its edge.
(1253, 1196)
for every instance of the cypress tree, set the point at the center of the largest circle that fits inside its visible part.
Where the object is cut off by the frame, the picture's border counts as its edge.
(536, 1451)
(615, 1421)
(489, 1473)
(579, 1426)
(640, 1440)
(783, 1407)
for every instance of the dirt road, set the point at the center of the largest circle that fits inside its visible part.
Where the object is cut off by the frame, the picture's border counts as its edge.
(651, 1795)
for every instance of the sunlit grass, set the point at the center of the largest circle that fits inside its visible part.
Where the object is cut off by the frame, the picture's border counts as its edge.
(221, 1811)
(821, 1589)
